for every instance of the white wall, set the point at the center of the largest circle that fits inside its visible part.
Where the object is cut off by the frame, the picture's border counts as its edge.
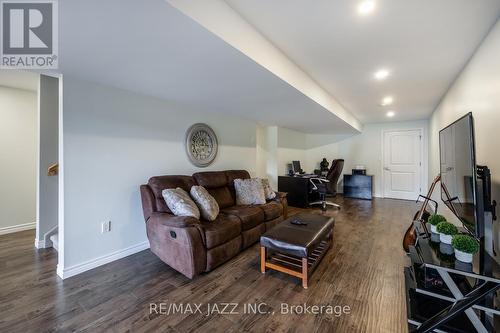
(277, 147)
(267, 152)
(114, 140)
(219, 18)
(48, 108)
(364, 149)
(18, 137)
(291, 147)
(476, 90)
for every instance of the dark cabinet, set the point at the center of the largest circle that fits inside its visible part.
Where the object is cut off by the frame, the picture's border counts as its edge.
(358, 186)
(298, 189)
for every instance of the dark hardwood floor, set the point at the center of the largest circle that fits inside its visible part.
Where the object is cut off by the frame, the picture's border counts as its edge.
(363, 270)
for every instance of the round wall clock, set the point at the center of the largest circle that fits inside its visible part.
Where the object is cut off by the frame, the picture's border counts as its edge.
(201, 145)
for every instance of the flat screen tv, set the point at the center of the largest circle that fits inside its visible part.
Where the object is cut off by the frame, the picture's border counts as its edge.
(459, 172)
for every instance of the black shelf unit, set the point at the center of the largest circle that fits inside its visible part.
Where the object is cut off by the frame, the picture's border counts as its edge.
(436, 283)
(421, 307)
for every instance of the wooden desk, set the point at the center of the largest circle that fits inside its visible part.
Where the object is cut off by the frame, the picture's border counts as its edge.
(298, 189)
(358, 186)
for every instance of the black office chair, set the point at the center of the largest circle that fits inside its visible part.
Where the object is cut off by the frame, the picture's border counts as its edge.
(327, 185)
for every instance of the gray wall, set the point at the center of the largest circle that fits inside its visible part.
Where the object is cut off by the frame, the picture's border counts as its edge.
(17, 158)
(48, 148)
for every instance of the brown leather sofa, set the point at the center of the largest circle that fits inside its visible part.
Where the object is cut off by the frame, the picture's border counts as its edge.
(193, 246)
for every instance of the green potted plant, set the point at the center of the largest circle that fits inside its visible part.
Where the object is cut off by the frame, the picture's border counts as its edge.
(434, 220)
(446, 231)
(465, 247)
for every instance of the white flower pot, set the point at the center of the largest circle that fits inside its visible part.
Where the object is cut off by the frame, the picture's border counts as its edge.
(433, 229)
(463, 256)
(445, 238)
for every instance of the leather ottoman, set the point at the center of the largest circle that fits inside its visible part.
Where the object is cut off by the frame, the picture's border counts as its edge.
(297, 245)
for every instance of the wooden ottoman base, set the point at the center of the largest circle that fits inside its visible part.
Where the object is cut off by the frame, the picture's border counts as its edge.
(293, 265)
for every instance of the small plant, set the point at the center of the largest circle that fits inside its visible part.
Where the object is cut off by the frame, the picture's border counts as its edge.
(465, 243)
(447, 228)
(435, 219)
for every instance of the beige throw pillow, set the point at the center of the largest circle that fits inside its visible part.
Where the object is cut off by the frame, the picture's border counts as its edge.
(268, 191)
(249, 192)
(209, 208)
(180, 203)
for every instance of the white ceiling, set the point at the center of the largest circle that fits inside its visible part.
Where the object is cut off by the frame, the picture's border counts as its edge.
(424, 44)
(19, 79)
(153, 49)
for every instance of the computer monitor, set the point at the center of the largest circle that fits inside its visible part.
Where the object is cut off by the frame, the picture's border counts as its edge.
(296, 167)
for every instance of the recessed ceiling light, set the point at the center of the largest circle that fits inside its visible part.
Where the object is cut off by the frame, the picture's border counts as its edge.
(387, 101)
(390, 114)
(381, 74)
(366, 7)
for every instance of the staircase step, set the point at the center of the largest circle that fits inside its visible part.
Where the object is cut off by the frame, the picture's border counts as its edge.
(55, 241)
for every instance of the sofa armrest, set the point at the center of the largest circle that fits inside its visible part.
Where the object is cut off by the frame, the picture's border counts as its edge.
(178, 241)
(281, 195)
(281, 198)
(148, 201)
(170, 220)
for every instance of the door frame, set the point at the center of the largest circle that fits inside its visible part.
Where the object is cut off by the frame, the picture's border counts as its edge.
(60, 194)
(424, 151)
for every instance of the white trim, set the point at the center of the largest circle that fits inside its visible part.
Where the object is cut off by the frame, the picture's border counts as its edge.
(17, 228)
(51, 74)
(424, 151)
(46, 242)
(38, 143)
(60, 189)
(65, 273)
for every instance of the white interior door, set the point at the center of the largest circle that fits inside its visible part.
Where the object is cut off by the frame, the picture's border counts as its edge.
(402, 164)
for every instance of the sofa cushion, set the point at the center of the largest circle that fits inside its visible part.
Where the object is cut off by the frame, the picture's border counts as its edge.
(180, 203)
(249, 192)
(250, 216)
(251, 236)
(272, 210)
(271, 224)
(209, 209)
(222, 253)
(211, 179)
(268, 191)
(231, 176)
(160, 183)
(222, 196)
(221, 230)
(215, 182)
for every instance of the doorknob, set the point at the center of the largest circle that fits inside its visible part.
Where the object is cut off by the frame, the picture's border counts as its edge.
(387, 169)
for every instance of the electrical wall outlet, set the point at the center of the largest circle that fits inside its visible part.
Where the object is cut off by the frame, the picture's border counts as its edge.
(105, 226)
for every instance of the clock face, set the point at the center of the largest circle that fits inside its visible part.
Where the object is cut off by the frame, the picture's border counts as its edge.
(201, 145)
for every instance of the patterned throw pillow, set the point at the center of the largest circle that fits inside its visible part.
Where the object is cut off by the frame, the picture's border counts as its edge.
(268, 191)
(249, 192)
(209, 208)
(180, 203)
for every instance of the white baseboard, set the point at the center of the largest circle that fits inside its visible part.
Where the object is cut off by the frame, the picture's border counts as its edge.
(17, 228)
(65, 273)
